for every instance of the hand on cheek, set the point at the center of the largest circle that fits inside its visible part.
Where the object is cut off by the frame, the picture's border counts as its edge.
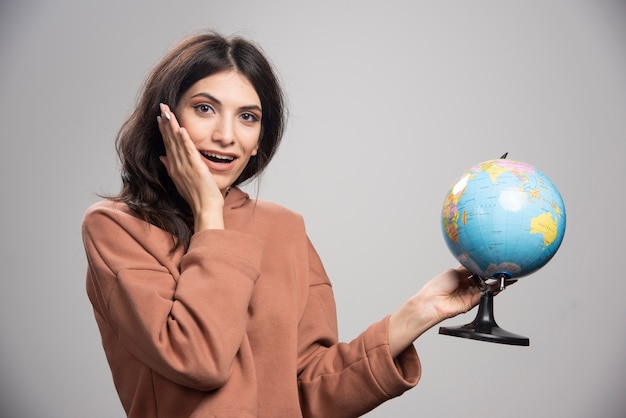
(184, 165)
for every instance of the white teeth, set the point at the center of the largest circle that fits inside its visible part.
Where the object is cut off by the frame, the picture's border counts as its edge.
(216, 156)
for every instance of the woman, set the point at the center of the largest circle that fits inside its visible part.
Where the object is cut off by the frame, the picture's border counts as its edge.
(210, 303)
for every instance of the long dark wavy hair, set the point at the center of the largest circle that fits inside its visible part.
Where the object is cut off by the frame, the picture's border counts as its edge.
(146, 187)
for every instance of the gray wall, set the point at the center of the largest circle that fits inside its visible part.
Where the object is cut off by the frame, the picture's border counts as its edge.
(390, 101)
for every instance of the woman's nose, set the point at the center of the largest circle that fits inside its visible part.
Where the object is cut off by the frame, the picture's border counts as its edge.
(224, 131)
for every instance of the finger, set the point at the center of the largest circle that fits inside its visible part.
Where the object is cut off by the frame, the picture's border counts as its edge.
(174, 160)
(166, 112)
(190, 155)
(187, 145)
(181, 146)
(169, 127)
(463, 271)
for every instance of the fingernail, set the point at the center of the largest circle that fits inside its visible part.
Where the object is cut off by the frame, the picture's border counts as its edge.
(166, 115)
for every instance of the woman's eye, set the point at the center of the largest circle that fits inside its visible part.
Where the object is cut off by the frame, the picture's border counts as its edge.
(204, 108)
(249, 117)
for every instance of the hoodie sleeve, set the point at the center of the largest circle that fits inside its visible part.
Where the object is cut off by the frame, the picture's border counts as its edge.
(184, 316)
(346, 379)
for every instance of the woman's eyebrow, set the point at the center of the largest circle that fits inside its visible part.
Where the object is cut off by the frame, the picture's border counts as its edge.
(207, 96)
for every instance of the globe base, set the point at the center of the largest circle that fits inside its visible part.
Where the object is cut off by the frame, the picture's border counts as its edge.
(484, 326)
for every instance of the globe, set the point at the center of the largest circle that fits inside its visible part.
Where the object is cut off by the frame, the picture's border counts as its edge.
(503, 218)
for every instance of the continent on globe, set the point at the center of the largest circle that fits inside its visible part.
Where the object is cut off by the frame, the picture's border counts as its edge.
(546, 225)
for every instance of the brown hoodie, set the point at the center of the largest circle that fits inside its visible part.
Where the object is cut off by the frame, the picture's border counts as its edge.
(241, 325)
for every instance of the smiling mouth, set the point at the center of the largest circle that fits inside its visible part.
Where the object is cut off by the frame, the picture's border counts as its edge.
(217, 158)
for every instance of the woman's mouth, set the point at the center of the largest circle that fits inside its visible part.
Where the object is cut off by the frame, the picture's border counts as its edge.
(218, 158)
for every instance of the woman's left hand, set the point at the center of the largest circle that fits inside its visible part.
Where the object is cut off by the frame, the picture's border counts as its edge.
(446, 295)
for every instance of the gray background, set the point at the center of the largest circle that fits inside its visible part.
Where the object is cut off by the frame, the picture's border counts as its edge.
(390, 101)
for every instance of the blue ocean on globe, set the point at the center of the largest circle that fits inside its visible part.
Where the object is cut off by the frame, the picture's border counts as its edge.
(503, 218)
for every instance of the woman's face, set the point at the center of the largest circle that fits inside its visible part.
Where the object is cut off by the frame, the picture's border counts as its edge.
(222, 114)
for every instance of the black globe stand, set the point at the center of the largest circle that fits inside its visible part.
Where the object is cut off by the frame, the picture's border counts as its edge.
(484, 326)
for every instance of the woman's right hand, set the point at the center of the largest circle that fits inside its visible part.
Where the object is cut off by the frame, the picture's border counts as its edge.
(191, 176)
